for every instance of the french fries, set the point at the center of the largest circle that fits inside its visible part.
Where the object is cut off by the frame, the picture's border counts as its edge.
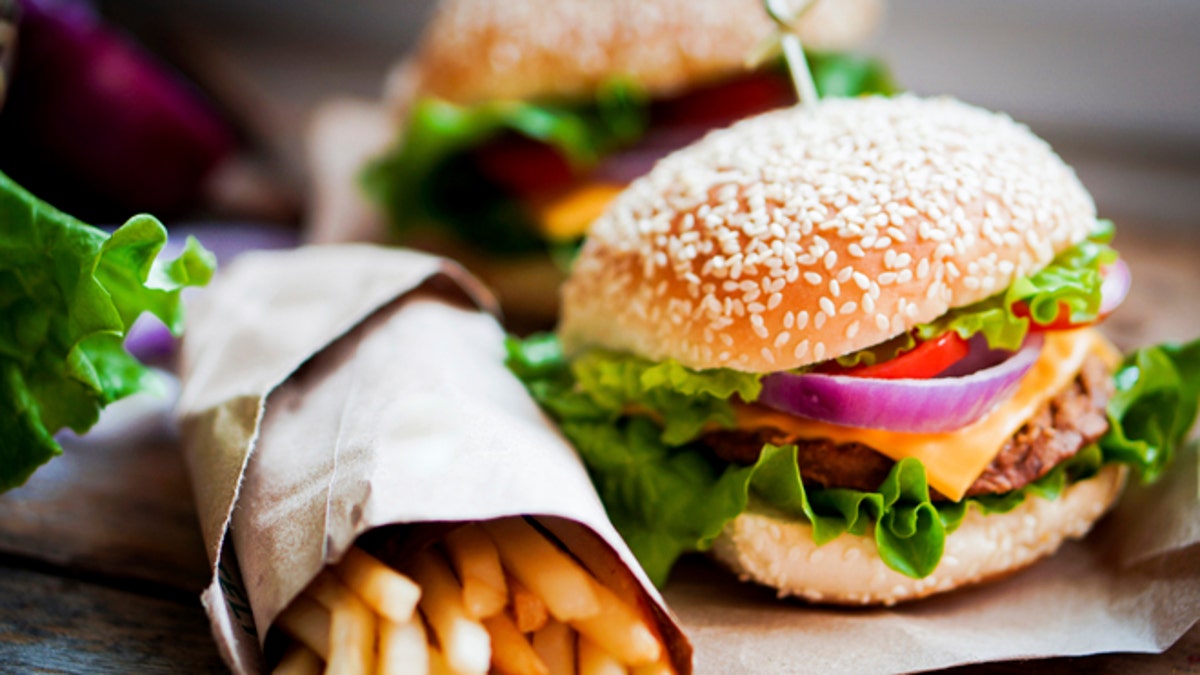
(498, 596)
(563, 585)
(528, 610)
(477, 563)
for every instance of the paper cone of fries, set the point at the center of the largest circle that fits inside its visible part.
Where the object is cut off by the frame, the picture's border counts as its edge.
(346, 410)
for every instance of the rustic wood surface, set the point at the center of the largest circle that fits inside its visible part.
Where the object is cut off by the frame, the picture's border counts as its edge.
(101, 561)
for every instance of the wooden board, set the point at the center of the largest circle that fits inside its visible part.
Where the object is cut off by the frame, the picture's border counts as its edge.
(56, 624)
(101, 561)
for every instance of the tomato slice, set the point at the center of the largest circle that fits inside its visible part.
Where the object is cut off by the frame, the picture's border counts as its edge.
(926, 360)
(531, 169)
(524, 166)
(1062, 320)
(722, 103)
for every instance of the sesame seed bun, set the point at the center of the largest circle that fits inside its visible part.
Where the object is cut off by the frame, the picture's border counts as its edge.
(804, 234)
(766, 547)
(554, 49)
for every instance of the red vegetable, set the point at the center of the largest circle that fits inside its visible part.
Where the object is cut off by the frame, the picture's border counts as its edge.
(531, 168)
(525, 167)
(927, 359)
(91, 104)
(912, 405)
(1113, 290)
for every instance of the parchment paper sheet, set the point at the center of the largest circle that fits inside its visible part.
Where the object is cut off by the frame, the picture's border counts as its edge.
(331, 390)
(1132, 586)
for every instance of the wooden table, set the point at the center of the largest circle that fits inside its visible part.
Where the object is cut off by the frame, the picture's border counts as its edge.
(101, 561)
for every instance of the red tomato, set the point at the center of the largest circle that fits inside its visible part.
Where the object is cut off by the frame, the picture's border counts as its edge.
(725, 102)
(923, 361)
(524, 166)
(531, 169)
(1062, 320)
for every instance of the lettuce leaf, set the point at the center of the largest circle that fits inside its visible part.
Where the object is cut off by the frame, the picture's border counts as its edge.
(1154, 407)
(1072, 279)
(684, 400)
(668, 497)
(420, 180)
(68, 295)
(411, 179)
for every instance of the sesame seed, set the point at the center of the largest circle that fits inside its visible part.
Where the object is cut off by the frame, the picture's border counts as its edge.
(839, 187)
(801, 349)
(852, 330)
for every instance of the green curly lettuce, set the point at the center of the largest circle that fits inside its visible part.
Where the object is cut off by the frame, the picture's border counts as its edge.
(668, 495)
(1154, 407)
(1072, 279)
(68, 294)
(420, 180)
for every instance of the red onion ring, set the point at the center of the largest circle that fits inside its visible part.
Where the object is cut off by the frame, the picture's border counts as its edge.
(920, 406)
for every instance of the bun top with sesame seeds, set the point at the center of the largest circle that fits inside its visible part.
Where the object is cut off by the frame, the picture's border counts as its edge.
(805, 234)
(474, 50)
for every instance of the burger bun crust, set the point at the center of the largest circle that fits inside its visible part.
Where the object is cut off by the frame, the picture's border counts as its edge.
(554, 49)
(804, 234)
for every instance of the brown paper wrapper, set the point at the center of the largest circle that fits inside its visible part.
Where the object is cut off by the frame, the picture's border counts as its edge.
(333, 390)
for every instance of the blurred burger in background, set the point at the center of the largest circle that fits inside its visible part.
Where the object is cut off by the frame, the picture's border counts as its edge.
(519, 121)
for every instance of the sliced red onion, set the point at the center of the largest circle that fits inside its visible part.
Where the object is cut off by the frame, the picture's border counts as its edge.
(98, 108)
(922, 406)
(1115, 287)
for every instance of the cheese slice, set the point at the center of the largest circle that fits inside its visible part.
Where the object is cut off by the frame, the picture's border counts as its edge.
(954, 459)
(567, 218)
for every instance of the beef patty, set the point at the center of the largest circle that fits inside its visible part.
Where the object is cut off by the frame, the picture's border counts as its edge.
(1060, 428)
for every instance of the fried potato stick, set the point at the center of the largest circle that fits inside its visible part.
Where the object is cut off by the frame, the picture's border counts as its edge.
(565, 587)
(388, 592)
(477, 564)
(463, 640)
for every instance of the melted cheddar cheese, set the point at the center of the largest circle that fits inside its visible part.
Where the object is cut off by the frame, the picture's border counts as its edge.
(954, 459)
(568, 217)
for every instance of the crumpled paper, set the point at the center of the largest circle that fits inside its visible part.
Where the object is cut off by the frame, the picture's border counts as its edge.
(331, 390)
(1133, 585)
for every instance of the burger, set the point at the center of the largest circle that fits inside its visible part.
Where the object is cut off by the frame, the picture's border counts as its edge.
(521, 120)
(850, 350)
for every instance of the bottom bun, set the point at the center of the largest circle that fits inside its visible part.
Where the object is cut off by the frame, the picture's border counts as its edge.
(765, 546)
